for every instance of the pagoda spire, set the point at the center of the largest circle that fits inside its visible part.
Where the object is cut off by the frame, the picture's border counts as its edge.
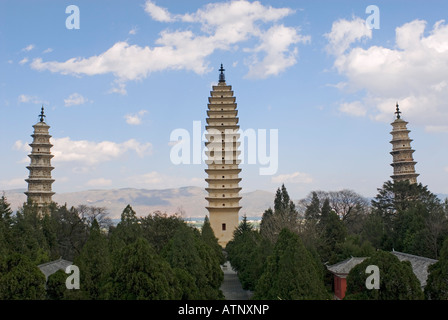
(222, 77)
(42, 115)
(398, 112)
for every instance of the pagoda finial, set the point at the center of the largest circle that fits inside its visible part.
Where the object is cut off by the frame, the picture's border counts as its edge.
(222, 77)
(42, 115)
(398, 111)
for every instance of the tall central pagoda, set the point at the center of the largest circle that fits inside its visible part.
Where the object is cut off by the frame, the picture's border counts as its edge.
(39, 180)
(223, 164)
(403, 162)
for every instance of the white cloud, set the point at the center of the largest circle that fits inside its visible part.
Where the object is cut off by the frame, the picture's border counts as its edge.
(119, 87)
(413, 73)
(344, 32)
(437, 129)
(135, 118)
(278, 57)
(296, 177)
(100, 182)
(133, 31)
(75, 99)
(23, 98)
(21, 146)
(91, 153)
(48, 50)
(13, 183)
(158, 13)
(28, 48)
(23, 61)
(184, 49)
(355, 108)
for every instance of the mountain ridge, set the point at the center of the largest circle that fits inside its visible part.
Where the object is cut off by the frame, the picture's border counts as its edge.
(188, 201)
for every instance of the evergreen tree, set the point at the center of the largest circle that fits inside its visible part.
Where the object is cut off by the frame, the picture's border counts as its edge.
(56, 288)
(291, 272)
(437, 283)
(128, 230)
(413, 218)
(181, 253)
(397, 280)
(27, 235)
(284, 215)
(159, 228)
(71, 231)
(247, 253)
(213, 272)
(140, 273)
(94, 261)
(208, 236)
(21, 279)
(5, 226)
(312, 212)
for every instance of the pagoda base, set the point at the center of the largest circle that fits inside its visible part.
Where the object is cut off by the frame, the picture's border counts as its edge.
(223, 222)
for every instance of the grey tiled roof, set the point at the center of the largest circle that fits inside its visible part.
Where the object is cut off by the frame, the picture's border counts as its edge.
(419, 265)
(343, 268)
(51, 267)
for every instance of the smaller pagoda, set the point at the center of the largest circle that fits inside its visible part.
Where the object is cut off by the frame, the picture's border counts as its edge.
(403, 161)
(39, 180)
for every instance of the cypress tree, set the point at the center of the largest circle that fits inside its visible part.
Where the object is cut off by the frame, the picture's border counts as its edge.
(397, 280)
(21, 279)
(437, 283)
(140, 273)
(95, 263)
(291, 272)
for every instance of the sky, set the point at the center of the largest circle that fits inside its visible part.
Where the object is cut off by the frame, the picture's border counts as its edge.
(317, 80)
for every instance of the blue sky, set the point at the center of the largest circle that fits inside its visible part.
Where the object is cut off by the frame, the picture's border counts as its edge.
(134, 71)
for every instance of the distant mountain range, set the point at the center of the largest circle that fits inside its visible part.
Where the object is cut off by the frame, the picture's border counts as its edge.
(190, 200)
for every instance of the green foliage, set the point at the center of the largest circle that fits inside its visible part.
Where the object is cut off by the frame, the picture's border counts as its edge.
(27, 235)
(56, 289)
(95, 264)
(183, 253)
(127, 231)
(353, 246)
(5, 226)
(70, 230)
(139, 273)
(208, 236)
(397, 280)
(413, 219)
(159, 228)
(284, 215)
(20, 279)
(437, 283)
(247, 253)
(291, 272)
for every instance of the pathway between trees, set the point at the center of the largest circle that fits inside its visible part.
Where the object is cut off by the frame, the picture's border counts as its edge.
(231, 286)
